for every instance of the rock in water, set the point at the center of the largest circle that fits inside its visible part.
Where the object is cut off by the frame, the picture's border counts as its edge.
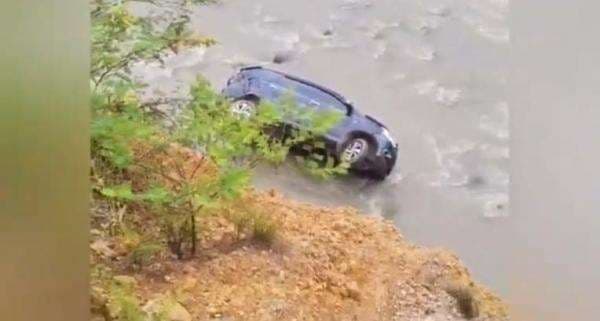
(282, 56)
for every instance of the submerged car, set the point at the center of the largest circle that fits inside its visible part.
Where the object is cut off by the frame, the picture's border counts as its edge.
(358, 139)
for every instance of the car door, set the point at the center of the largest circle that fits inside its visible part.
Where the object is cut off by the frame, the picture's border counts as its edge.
(308, 96)
(319, 100)
(274, 88)
(289, 95)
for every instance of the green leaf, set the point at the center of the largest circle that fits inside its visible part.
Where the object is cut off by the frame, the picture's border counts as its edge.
(157, 195)
(119, 192)
(233, 181)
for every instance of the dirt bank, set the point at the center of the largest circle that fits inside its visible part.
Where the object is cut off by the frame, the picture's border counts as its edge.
(324, 264)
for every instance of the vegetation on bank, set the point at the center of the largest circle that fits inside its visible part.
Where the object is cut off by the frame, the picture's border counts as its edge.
(147, 194)
(121, 124)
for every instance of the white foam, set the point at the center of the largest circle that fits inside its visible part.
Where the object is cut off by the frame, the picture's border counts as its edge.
(496, 34)
(496, 205)
(496, 124)
(488, 19)
(356, 4)
(495, 151)
(451, 171)
(271, 19)
(379, 50)
(440, 10)
(424, 53)
(441, 95)
(424, 24)
(447, 97)
(426, 87)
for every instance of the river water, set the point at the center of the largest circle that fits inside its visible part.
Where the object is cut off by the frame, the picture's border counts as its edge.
(433, 71)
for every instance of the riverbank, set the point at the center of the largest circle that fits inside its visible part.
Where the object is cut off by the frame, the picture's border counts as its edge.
(321, 264)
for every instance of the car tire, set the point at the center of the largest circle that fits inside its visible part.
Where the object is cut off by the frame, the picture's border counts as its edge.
(379, 175)
(243, 108)
(354, 150)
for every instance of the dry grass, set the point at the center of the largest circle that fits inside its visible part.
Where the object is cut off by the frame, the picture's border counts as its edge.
(467, 305)
(264, 229)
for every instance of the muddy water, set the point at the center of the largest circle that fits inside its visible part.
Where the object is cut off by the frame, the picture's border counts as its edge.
(433, 71)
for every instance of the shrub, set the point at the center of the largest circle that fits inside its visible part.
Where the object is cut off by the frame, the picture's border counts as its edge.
(264, 229)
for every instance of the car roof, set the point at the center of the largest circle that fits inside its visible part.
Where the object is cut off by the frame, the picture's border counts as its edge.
(300, 80)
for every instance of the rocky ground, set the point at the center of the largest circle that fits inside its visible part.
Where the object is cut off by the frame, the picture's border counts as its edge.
(325, 264)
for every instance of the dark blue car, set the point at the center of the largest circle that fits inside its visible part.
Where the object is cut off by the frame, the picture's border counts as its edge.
(358, 139)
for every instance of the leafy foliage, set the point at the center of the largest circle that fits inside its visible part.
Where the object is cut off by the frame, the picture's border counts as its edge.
(117, 123)
(119, 192)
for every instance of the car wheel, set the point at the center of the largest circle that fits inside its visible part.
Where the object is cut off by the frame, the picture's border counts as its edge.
(243, 108)
(378, 175)
(354, 150)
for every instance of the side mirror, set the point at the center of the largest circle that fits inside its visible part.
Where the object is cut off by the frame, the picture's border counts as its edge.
(349, 109)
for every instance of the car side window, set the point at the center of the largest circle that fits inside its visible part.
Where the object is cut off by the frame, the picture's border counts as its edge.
(316, 97)
(275, 88)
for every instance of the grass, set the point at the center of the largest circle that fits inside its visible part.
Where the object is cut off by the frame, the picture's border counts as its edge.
(241, 220)
(467, 305)
(144, 253)
(253, 222)
(264, 229)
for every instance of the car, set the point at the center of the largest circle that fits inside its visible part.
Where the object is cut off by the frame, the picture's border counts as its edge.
(357, 139)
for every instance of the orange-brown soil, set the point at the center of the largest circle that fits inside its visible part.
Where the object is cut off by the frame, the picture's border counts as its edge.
(324, 264)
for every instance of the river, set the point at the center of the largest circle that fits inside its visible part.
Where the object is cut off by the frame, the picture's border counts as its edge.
(433, 71)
